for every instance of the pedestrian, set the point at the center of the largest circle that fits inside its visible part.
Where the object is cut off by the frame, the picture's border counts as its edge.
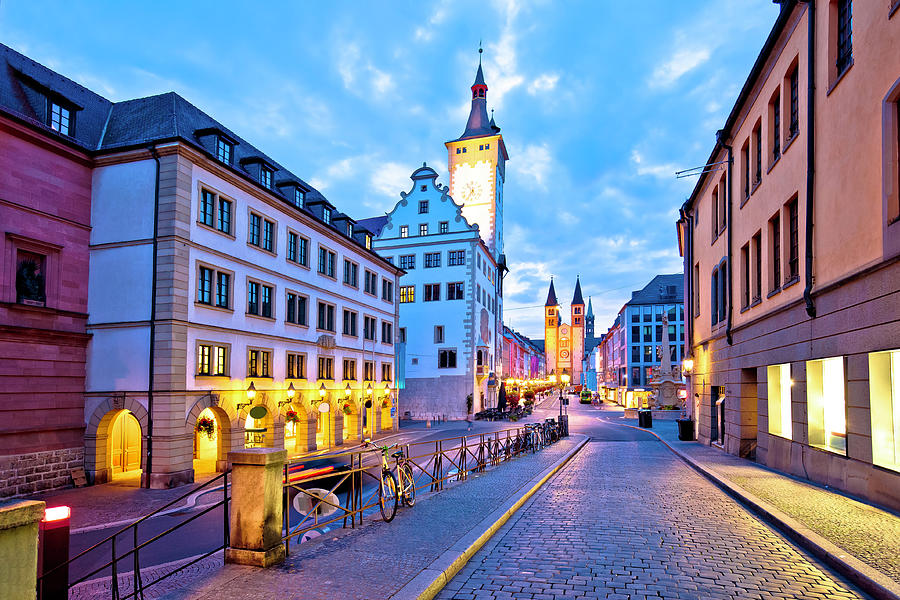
(468, 421)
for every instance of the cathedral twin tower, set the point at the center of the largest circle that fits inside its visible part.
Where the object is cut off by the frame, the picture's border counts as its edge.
(564, 343)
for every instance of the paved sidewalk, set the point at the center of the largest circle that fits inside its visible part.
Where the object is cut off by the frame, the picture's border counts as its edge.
(817, 517)
(379, 559)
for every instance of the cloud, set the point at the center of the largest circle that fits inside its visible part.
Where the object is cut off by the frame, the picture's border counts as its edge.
(683, 61)
(543, 83)
(425, 33)
(390, 179)
(662, 171)
(533, 163)
(359, 75)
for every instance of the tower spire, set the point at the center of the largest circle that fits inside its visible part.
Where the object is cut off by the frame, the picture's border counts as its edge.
(578, 299)
(478, 123)
(551, 296)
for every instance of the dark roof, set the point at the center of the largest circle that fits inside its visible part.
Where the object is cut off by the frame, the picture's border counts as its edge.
(539, 344)
(590, 309)
(578, 298)
(478, 124)
(662, 289)
(551, 296)
(479, 76)
(374, 224)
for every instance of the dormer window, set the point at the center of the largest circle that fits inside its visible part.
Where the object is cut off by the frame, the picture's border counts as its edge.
(60, 119)
(349, 229)
(224, 150)
(299, 197)
(368, 241)
(265, 176)
(326, 215)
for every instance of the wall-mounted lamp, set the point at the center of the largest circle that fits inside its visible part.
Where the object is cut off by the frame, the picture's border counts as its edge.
(322, 391)
(347, 390)
(291, 392)
(369, 390)
(251, 394)
(687, 365)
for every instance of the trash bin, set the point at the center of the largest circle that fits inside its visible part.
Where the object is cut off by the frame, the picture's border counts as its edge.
(686, 430)
(645, 418)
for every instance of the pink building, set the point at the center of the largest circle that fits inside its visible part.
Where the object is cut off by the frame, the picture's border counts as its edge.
(46, 128)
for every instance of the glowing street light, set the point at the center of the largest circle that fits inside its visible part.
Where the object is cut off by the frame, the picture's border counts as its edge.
(322, 391)
(291, 392)
(251, 391)
(347, 391)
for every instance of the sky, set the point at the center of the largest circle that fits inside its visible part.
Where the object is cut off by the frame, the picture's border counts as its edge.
(599, 101)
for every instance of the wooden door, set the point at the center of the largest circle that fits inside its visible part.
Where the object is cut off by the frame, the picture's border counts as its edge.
(126, 443)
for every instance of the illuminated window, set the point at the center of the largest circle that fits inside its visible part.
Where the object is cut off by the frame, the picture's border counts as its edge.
(779, 383)
(826, 404)
(404, 231)
(884, 401)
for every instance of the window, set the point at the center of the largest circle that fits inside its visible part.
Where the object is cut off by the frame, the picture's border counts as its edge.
(723, 290)
(386, 372)
(714, 213)
(212, 360)
(259, 363)
(295, 310)
(255, 229)
(458, 150)
(775, 249)
(326, 262)
(407, 262)
(204, 285)
(368, 371)
(403, 335)
(444, 226)
(407, 293)
(404, 231)
(723, 202)
(635, 333)
(844, 35)
(756, 247)
(351, 273)
(268, 240)
(223, 223)
(207, 207)
(423, 207)
(293, 241)
(60, 119)
(636, 354)
(648, 354)
(371, 282)
(713, 297)
(884, 401)
(432, 259)
(794, 240)
(757, 157)
(775, 111)
(745, 276)
(259, 299)
(223, 290)
(326, 367)
(779, 384)
(350, 320)
(447, 359)
(826, 404)
(745, 166)
(635, 376)
(296, 366)
(387, 332)
(265, 176)
(349, 369)
(224, 150)
(432, 292)
(369, 328)
(438, 334)
(455, 290)
(299, 196)
(325, 320)
(326, 215)
(648, 333)
(349, 229)
(423, 229)
(387, 290)
(456, 258)
(795, 101)
(267, 301)
(252, 298)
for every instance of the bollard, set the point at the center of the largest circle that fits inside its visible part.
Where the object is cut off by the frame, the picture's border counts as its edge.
(53, 553)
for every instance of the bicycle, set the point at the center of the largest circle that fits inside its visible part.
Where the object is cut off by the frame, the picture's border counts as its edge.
(390, 491)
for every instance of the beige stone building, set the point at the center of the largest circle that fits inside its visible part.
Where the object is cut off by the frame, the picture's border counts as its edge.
(791, 242)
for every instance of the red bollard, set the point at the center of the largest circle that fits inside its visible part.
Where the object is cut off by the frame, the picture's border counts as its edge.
(53, 553)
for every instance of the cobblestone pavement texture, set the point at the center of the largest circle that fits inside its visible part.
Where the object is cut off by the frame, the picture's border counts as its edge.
(631, 520)
(376, 560)
(870, 534)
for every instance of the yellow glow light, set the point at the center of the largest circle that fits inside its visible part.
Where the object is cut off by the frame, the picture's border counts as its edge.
(291, 392)
(322, 391)
(251, 391)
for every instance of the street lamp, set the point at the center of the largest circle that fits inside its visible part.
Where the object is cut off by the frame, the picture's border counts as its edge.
(291, 392)
(322, 391)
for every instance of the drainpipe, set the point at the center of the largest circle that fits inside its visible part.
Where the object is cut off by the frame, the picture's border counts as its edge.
(720, 135)
(151, 363)
(810, 152)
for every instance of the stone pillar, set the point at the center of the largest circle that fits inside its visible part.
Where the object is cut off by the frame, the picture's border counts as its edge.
(19, 547)
(354, 425)
(306, 432)
(256, 507)
(337, 426)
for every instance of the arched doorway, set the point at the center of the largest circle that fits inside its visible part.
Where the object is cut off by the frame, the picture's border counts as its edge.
(258, 428)
(207, 440)
(125, 447)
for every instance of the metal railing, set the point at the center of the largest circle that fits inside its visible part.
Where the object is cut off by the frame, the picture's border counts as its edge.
(435, 464)
(129, 533)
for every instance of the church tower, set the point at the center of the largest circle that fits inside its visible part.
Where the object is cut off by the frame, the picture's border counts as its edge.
(577, 332)
(551, 330)
(476, 162)
(589, 322)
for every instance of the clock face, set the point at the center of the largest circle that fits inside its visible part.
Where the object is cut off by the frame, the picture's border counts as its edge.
(471, 183)
(564, 354)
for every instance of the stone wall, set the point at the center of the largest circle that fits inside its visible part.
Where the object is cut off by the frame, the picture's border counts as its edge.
(23, 474)
(435, 397)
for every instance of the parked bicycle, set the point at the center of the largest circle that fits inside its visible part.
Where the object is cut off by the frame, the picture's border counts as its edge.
(394, 488)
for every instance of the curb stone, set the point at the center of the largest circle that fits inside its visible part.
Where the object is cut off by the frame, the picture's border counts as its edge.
(436, 575)
(869, 579)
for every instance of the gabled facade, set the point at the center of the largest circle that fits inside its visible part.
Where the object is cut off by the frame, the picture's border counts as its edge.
(449, 301)
(791, 242)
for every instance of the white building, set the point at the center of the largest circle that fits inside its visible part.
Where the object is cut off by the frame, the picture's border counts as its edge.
(450, 301)
(224, 289)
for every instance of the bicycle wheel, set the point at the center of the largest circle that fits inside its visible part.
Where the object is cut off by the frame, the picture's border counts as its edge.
(407, 485)
(387, 496)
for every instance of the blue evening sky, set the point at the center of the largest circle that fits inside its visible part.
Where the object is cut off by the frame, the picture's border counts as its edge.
(600, 102)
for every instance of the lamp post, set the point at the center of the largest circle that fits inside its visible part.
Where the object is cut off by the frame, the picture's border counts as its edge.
(565, 382)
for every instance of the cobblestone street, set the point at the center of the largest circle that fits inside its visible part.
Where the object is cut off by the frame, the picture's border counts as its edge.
(630, 520)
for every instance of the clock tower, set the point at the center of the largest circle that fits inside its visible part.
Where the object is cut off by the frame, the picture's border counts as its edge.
(477, 166)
